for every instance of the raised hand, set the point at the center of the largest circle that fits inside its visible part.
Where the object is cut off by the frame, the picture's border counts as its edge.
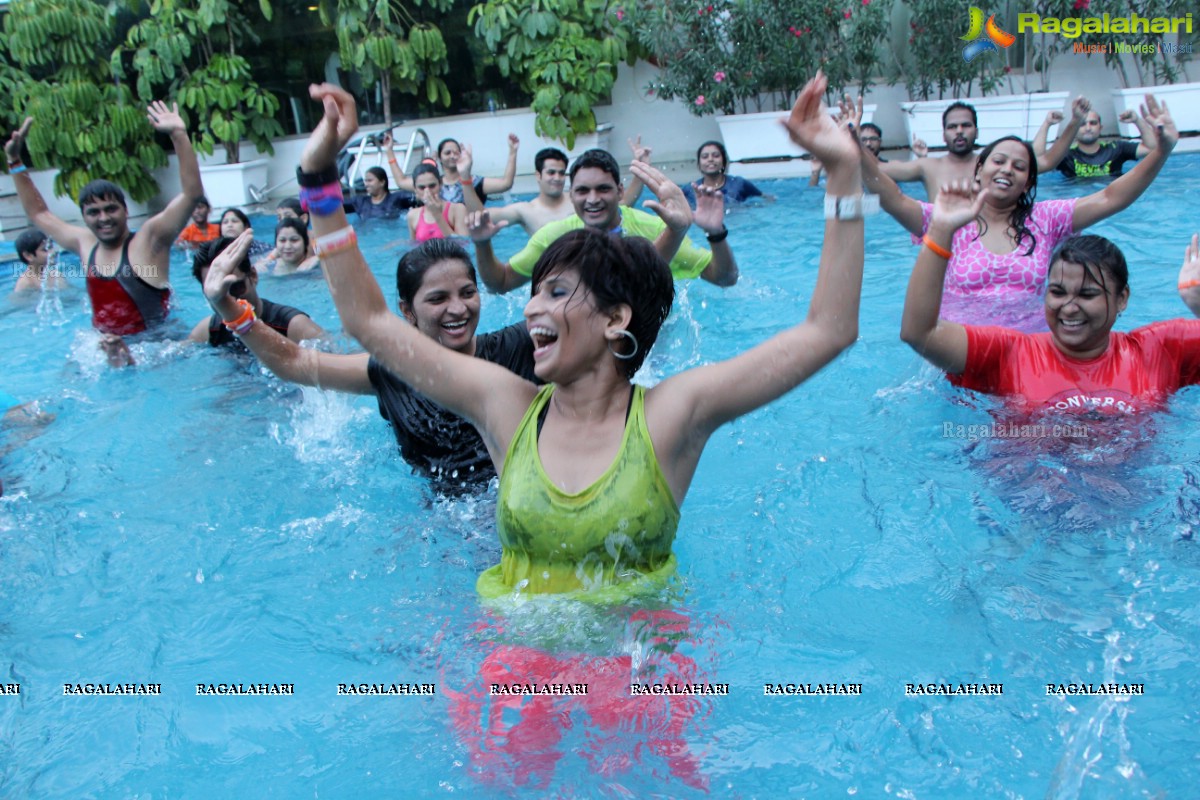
(165, 119)
(710, 209)
(480, 226)
(333, 131)
(1159, 117)
(956, 205)
(1054, 117)
(513, 143)
(1128, 116)
(670, 205)
(919, 148)
(851, 111)
(223, 273)
(433, 200)
(386, 142)
(12, 148)
(1189, 273)
(1080, 107)
(641, 152)
(466, 159)
(810, 126)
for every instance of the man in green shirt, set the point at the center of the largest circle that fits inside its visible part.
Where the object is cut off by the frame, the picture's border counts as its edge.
(596, 195)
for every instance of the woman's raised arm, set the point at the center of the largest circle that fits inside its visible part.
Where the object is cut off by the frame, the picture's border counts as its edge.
(701, 398)
(942, 343)
(488, 395)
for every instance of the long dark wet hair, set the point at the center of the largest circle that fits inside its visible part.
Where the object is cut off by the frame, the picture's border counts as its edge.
(1020, 214)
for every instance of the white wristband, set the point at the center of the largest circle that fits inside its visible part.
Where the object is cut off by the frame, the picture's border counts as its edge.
(848, 208)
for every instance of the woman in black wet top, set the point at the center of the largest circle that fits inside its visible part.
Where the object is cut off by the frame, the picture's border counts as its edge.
(438, 294)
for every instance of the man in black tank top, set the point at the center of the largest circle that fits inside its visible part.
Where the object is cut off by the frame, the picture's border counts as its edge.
(128, 273)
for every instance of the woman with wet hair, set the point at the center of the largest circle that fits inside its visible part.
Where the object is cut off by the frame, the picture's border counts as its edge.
(378, 202)
(1001, 258)
(713, 161)
(439, 297)
(1081, 365)
(571, 454)
(292, 249)
(436, 218)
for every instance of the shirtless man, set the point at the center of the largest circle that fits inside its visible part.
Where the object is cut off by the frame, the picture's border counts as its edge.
(550, 166)
(960, 128)
(127, 273)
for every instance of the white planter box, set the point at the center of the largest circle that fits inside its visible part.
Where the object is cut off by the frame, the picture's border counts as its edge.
(762, 136)
(227, 185)
(1182, 99)
(1018, 114)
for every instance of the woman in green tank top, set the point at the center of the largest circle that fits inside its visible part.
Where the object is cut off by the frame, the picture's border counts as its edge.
(593, 469)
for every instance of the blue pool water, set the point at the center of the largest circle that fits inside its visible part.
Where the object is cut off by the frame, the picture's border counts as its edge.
(194, 520)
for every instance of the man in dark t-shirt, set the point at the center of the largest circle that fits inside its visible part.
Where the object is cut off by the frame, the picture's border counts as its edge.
(1088, 158)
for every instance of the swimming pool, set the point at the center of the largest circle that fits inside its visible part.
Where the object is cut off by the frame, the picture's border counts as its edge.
(192, 521)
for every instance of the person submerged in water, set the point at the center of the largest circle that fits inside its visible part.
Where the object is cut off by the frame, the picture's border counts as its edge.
(285, 320)
(34, 250)
(293, 252)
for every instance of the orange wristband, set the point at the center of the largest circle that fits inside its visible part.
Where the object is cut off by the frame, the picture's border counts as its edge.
(1189, 284)
(244, 321)
(937, 249)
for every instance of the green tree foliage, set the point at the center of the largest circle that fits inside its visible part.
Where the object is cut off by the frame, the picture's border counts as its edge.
(935, 67)
(387, 41)
(732, 56)
(87, 124)
(564, 53)
(188, 50)
(1150, 67)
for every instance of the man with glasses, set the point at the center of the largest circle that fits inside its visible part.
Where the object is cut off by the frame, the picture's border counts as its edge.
(870, 136)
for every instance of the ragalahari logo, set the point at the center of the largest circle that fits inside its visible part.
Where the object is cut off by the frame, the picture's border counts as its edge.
(995, 40)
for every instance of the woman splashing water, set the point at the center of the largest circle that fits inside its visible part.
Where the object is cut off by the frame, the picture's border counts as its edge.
(593, 468)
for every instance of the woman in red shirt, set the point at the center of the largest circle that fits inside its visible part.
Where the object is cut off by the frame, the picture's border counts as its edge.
(1081, 365)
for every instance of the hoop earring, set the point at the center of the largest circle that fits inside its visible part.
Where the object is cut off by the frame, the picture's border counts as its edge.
(632, 338)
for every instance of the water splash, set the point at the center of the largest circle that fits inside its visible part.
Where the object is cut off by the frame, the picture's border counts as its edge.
(50, 307)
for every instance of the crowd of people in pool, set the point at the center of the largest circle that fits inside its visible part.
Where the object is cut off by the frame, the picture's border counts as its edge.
(592, 466)
(549, 404)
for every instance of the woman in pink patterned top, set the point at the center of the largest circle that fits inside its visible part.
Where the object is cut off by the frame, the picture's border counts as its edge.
(1000, 261)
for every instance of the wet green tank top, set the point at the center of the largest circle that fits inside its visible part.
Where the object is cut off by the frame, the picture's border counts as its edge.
(607, 543)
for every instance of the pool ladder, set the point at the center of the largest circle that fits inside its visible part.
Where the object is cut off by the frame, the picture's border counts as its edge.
(260, 195)
(367, 146)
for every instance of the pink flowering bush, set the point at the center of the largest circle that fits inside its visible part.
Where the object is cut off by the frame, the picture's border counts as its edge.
(732, 56)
